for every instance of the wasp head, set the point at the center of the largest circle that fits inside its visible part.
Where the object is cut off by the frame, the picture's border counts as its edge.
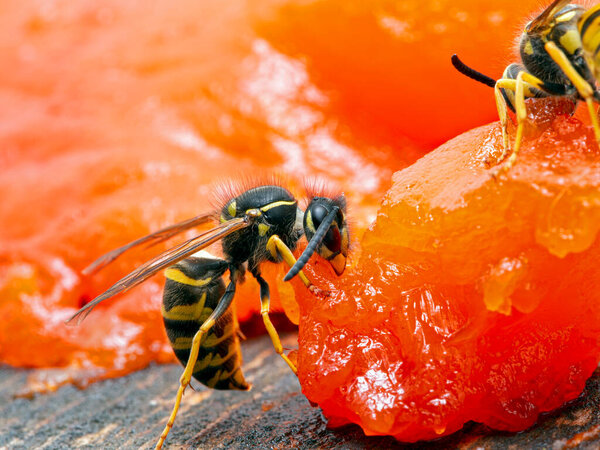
(326, 229)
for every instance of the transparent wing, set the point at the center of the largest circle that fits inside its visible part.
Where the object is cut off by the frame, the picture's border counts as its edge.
(541, 21)
(151, 239)
(163, 261)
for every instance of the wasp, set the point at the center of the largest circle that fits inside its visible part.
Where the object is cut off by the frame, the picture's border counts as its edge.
(261, 224)
(560, 57)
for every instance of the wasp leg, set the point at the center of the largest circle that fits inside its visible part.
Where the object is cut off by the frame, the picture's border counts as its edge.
(265, 302)
(184, 381)
(524, 86)
(521, 117)
(277, 247)
(502, 112)
(583, 87)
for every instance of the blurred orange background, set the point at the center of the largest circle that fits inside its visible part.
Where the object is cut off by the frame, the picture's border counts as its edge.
(118, 118)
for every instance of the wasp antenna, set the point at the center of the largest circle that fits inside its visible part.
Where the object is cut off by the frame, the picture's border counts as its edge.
(471, 73)
(312, 245)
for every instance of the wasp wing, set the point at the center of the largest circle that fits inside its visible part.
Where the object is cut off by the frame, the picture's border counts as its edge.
(163, 261)
(151, 239)
(544, 19)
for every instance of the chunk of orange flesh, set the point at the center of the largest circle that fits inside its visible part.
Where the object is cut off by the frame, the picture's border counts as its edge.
(474, 299)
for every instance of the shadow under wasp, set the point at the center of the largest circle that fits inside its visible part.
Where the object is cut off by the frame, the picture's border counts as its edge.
(560, 55)
(260, 224)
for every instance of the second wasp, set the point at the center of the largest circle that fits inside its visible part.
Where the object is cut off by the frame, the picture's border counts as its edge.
(560, 57)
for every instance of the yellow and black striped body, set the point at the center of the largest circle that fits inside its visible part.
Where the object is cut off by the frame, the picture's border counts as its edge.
(575, 32)
(589, 30)
(559, 51)
(561, 28)
(192, 291)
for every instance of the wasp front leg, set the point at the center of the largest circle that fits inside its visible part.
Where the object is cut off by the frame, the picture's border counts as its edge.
(276, 248)
(521, 112)
(503, 84)
(524, 86)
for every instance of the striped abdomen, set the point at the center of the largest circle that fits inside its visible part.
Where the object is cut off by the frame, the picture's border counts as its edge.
(193, 289)
(589, 29)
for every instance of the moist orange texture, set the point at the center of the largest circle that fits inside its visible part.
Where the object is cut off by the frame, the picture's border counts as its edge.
(474, 299)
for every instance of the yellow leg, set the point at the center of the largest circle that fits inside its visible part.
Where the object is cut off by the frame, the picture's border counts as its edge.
(583, 87)
(276, 247)
(502, 114)
(184, 381)
(521, 117)
(275, 339)
(594, 118)
(265, 302)
(522, 87)
(186, 377)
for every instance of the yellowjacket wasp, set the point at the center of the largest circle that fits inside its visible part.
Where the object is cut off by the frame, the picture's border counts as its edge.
(560, 55)
(261, 224)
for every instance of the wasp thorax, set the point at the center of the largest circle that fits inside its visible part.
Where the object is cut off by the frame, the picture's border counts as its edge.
(272, 211)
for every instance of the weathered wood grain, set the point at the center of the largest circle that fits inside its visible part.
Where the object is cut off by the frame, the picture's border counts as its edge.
(130, 412)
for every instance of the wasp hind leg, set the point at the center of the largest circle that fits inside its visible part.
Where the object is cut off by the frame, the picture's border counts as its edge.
(265, 303)
(585, 90)
(186, 377)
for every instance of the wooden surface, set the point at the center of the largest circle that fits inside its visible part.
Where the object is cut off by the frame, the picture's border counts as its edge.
(130, 412)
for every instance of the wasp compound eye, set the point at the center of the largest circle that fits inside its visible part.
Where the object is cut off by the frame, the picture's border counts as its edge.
(333, 239)
(327, 232)
(318, 213)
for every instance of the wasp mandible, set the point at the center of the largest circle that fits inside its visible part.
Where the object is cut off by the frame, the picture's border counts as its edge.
(560, 55)
(260, 224)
